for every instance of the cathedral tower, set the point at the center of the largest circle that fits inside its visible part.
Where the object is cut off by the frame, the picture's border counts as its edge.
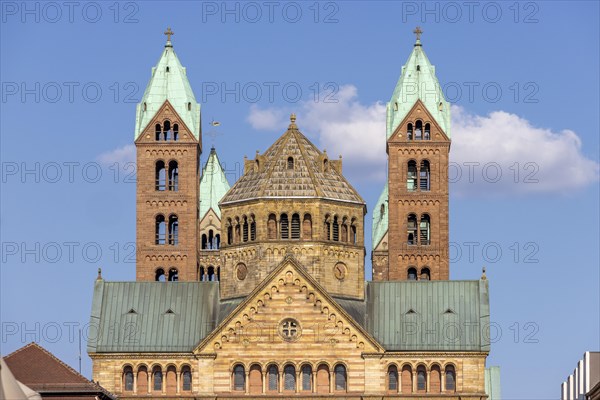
(168, 144)
(410, 220)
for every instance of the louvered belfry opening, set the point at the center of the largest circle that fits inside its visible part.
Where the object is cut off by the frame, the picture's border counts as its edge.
(285, 226)
(295, 226)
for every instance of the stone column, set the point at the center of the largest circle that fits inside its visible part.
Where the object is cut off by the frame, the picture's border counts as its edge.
(331, 381)
(178, 381)
(414, 381)
(247, 382)
(150, 382)
(135, 382)
(264, 381)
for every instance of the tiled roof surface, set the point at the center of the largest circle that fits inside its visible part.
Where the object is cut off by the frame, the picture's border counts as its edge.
(308, 178)
(40, 370)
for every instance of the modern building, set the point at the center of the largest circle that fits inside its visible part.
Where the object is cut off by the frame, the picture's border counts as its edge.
(259, 290)
(584, 382)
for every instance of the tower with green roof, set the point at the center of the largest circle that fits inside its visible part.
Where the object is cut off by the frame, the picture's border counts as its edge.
(168, 142)
(410, 219)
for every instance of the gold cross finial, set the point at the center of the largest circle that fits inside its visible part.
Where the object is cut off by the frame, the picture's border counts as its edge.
(169, 33)
(418, 32)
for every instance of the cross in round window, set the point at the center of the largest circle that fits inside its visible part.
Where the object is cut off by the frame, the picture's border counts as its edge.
(289, 329)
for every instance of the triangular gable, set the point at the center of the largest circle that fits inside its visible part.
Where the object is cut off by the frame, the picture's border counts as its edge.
(288, 292)
(166, 111)
(427, 118)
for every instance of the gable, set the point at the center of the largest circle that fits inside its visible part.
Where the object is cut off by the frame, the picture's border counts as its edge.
(419, 111)
(288, 294)
(166, 112)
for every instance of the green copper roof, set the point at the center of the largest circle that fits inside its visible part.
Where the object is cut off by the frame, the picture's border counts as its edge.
(168, 82)
(492, 383)
(213, 185)
(429, 315)
(152, 316)
(418, 81)
(380, 218)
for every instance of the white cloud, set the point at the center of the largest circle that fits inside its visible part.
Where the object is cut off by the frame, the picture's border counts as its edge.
(345, 127)
(121, 155)
(530, 159)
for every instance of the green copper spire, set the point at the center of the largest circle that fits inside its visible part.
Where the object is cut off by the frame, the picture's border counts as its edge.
(168, 82)
(380, 218)
(418, 82)
(213, 185)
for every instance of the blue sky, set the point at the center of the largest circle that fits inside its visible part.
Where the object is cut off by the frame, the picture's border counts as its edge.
(522, 77)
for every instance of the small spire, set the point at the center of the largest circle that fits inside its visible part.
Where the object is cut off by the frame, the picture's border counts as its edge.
(99, 278)
(293, 121)
(483, 277)
(212, 150)
(418, 33)
(169, 33)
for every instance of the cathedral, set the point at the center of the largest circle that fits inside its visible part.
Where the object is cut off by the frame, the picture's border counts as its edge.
(258, 289)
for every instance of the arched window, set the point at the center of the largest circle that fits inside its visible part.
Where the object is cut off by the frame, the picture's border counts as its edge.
(189, 105)
(128, 379)
(353, 230)
(252, 228)
(272, 227)
(202, 274)
(245, 229)
(295, 226)
(171, 380)
(186, 377)
(173, 275)
(157, 378)
(435, 379)
(142, 380)
(340, 377)
(157, 131)
(210, 274)
(392, 378)
(450, 378)
(229, 233)
(173, 176)
(173, 230)
(272, 378)
(412, 274)
(255, 379)
(421, 378)
(424, 176)
(325, 165)
(412, 229)
(327, 228)
(290, 163)
(382, 211)
(217, 242)
(160, 229)
(411, 177)
(204, 242)
(424, 235)
(409, 132)
(284, 226)
(336, 229)
(175, 132)
(427, 135)
(289, 378)
(419, 130)
(239, 378)
(161, 176)
(307, 227)
(407, 379)
(237, 230)
(344, 230)
(218, 273)
(323, 378)
(159, 275)
(425, 274)
(307, 378)
(167, 130)
(211, 240)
